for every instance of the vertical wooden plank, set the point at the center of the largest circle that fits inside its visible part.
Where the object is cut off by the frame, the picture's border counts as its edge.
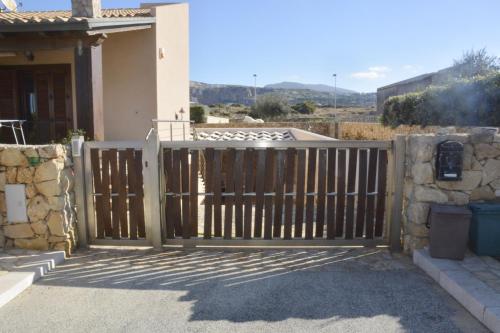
(122, 194)
(193, 190)
(339, 219)
(259, 191)
(360, 215)
(311, 188)
(169, 199)
(370, 201)
(141, 225)
(96, 173)
(176, 187)
(320, 213)
(209, 178)
(351, 188)
(185, 173)
(249, 188)
(299, 201)
(382, 192)
(132, 190)
(289, 187)
(269, 188)
(106, 194)
(330, 200)
(217, 193)
(229, 189)
(278, 200)
(238, 189)
(115, 187)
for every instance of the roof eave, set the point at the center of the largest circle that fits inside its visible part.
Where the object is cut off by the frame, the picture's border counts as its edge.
(85, 25)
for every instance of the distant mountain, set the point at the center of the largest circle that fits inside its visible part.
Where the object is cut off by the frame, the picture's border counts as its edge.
(208, 94)
(313, 87)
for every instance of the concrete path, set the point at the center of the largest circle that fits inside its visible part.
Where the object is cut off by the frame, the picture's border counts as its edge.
(341, 290)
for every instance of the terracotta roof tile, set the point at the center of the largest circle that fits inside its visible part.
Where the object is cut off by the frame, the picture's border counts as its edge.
(65, 15)
(245, 135)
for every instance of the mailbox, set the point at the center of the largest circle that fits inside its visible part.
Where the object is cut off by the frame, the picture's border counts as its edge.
(449, 160)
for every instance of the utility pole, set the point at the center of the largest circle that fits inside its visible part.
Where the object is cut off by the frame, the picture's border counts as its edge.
(335, 91)
(255, 88)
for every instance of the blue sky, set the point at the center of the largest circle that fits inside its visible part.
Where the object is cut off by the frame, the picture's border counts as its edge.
(367, 43)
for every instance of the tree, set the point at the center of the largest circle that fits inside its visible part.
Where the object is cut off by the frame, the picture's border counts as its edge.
(475, 63)
(197, 114)
(270, 106)
(306, 107)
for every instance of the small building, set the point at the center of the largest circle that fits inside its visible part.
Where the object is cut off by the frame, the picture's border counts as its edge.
(411, 85)
(106, 71)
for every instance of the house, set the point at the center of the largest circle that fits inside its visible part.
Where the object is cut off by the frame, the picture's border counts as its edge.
(106, 71)
(413, 84)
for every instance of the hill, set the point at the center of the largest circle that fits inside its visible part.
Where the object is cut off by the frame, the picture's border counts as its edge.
(313, 87)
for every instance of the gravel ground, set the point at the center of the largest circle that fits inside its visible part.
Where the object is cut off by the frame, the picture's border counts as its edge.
(340, 290)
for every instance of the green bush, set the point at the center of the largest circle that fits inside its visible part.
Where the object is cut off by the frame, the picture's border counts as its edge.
(270, 106)
(306, 107)
(472, 102)
(197, 114)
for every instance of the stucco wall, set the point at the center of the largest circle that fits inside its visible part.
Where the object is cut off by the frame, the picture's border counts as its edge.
(65, 56)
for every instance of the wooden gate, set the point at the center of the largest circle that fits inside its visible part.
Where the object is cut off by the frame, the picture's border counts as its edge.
(276, 193)
(115, 193)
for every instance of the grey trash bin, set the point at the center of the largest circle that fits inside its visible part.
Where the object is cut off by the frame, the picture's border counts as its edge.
(449, 230)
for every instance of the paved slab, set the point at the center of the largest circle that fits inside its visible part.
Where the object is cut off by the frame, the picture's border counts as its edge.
(474, 282)
(20, 268)
(338, 290)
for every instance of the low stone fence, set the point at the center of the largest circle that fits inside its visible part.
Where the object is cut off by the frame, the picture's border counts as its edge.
(48, 179)
(481, 178)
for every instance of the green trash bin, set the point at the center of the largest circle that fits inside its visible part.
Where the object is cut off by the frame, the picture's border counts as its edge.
(484, 234)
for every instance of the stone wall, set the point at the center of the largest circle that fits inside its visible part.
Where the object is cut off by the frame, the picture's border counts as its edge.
(481, 178)
(47, 173)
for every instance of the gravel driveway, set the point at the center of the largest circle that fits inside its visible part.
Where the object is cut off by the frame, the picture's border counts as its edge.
(340, 290)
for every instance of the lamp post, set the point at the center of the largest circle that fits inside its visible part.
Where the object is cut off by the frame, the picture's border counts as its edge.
(255, 88)
(335, 91)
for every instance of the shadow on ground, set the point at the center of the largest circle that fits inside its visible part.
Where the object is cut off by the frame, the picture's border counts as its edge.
(242, 286)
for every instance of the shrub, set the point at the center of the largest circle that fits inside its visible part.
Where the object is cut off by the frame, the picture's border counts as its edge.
(306, 107)
(197, 114)
(472, 102)
(270, 107)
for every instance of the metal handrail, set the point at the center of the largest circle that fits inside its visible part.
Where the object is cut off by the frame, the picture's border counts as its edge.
(171, 122)
(12, 123)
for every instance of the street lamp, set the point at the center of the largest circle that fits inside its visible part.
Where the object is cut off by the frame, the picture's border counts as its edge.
(255, 88)
(335, 91)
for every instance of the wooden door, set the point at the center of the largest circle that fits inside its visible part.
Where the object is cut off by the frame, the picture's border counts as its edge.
(8, 101)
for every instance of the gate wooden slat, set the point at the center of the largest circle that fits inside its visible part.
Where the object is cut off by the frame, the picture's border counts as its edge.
(289, 179)
(132, 189)
(98, 189)
(268, 199)
(278, 201)
(370, 201)
(106, 194)
(320, 213)
(299, 202)
(311, 188)
(382, 189)
(194, 192)
(115, 185)
(259, 191)
(140, 194)
(122, 194)
(249, 188)
(330, 200)
(351, 188)
(185, 173)
(238, 189)
(176, 187)
(209, 176)
(169, 199)
(217, 186)
(360, 215)
(341, 182)
(229, 189)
